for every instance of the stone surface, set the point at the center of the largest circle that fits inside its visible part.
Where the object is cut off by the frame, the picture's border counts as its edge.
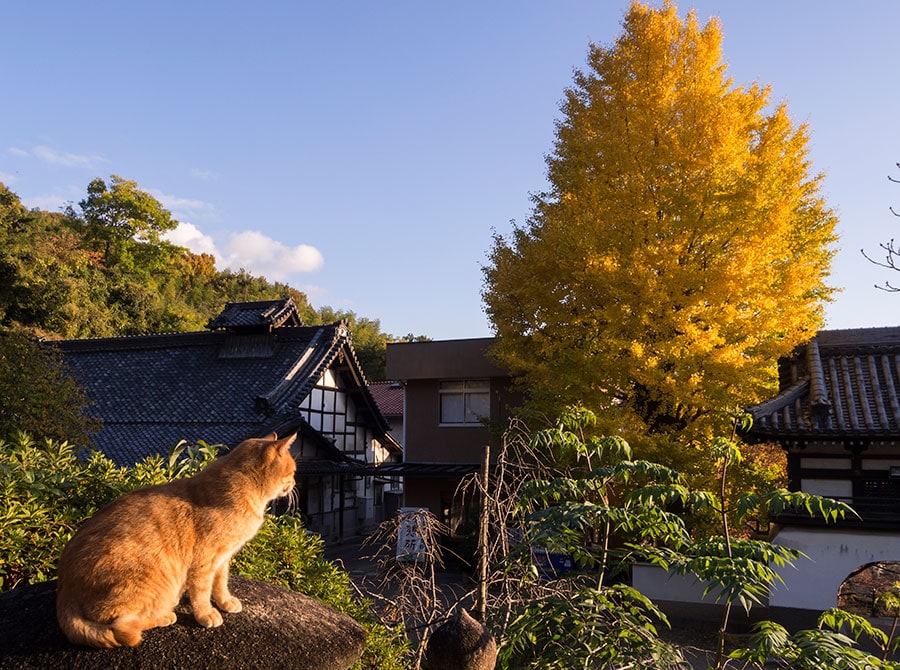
(276, 629)
(462, 643)
(857, 593)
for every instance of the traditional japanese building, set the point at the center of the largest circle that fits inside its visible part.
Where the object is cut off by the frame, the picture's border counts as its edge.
(837, 416)
(254, 371)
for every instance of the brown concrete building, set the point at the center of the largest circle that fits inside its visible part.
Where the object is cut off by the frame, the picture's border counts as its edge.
(456, 400)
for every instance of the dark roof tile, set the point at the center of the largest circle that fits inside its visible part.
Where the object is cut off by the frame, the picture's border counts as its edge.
(841, 385)
(152, 391)
(260, 314)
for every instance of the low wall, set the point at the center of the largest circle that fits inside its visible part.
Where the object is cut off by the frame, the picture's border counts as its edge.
(833, 554)
(658, 584)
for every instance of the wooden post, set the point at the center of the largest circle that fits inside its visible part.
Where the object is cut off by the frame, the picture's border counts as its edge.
(483, 536)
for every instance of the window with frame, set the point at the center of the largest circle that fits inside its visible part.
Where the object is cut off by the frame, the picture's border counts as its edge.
(465, 402)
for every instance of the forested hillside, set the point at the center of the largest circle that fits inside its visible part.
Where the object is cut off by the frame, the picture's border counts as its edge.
(102, 268)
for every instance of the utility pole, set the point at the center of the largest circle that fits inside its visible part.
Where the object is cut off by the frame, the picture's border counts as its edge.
(483, 536)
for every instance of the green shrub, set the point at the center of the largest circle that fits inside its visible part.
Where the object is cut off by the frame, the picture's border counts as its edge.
(47, 492)
(36, 391)
(284, 553)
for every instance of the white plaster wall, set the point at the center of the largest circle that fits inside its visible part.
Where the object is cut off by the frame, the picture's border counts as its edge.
(826, 463)
(879, 463)
(833, 555)
(658, 584)
(830, 488)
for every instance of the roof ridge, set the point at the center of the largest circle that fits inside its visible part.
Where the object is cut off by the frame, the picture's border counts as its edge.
(256, 315)
(859, 337)
(148, 341)
(308, 369)
(819, 402)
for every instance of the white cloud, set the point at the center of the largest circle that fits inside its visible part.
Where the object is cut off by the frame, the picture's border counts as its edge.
(54, 157)
(303, 256)
(16, 151)
(189, 236)
(204, 175)
(182, 208)
(251, 250)
(261, 255)
(315, 293)
(8, 178)
(47, 203)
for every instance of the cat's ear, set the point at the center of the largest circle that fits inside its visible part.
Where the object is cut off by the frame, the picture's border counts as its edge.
(271, 436)
(279, 448)
(285, 443)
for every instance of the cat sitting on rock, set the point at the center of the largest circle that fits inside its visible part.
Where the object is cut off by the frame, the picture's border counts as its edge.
(128, 566)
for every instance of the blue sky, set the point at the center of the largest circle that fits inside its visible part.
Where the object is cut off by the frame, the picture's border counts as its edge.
(365, 151)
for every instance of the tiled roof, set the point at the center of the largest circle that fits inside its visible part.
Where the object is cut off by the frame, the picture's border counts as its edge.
(256, 315)
(842, 385)
(389, 397)
(152, 391)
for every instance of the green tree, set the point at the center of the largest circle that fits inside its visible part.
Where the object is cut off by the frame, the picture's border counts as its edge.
(608, 510)
(587, 617)
(36, 393)
(103, 270)
(44, 269)
(681, 248)
(119, 214)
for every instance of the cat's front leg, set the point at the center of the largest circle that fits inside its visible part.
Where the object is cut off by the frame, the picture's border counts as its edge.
(220, 591)
(199, 590)
(166, 619)
(209, 619)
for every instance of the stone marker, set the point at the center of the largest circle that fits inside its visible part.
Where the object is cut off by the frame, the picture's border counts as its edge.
(461, 643)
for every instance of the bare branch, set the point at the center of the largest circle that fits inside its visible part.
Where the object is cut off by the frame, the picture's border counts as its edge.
(897, 181)
(892, 253)
(890, 260)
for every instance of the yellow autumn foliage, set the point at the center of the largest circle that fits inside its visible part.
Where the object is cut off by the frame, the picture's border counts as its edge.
(681, 249)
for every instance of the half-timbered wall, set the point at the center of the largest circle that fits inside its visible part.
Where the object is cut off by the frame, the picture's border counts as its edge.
(867, 476)
(331, 411)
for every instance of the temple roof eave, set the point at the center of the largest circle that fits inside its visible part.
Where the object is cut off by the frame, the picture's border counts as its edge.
(840, 386)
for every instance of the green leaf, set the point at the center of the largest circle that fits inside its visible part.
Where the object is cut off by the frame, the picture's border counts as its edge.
(747, 502)
(829, 509)
(725, 449)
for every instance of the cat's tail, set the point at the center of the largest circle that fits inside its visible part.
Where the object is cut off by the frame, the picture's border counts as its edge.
(123, 632)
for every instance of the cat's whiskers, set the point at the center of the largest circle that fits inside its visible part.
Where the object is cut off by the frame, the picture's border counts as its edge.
(293, 500)
(286, 504)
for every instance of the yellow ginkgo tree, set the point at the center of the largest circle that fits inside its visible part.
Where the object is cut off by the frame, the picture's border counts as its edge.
(682, 246)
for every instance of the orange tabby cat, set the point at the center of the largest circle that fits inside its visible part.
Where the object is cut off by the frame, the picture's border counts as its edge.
(127, 567)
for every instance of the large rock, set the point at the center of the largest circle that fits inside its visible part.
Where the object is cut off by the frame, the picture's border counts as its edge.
(276, 629)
